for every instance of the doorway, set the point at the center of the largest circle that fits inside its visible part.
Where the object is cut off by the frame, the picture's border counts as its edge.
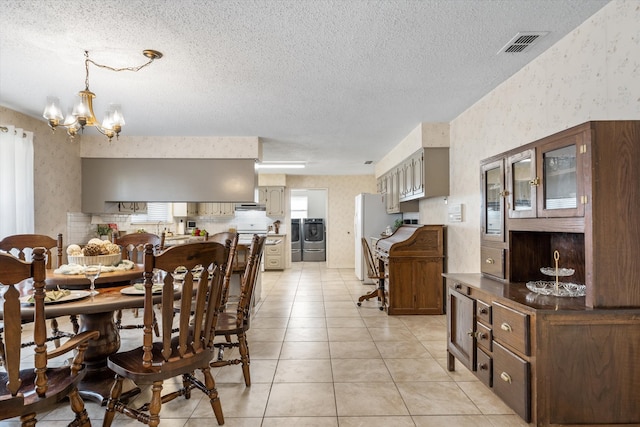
(309, 205)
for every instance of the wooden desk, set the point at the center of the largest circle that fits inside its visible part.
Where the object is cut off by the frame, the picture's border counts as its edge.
(95, 313)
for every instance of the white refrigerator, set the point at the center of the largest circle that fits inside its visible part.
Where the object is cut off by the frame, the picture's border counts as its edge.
(370, 220)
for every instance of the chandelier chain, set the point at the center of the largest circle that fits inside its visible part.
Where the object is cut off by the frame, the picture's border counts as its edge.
(89, 60)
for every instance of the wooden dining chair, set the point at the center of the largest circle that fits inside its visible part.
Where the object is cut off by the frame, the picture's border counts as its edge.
(181, 350)
(25, 392)
(231, 239)
(374, 274)
(132, 249)
(236, 323)
(21, 246)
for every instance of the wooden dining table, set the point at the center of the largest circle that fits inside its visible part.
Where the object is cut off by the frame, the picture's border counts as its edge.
(95, 313)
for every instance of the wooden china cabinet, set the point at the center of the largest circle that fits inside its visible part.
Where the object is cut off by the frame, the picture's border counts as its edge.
(557, 360)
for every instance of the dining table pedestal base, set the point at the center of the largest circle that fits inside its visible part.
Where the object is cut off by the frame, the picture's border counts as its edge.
(97, 382)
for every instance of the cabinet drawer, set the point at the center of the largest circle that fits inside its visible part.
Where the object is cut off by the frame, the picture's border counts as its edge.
(492, 261)
(484, 368)
(273, 263)
(483, 312)
(512, 380)
(484, 336)
(510, 327)
(273, 250)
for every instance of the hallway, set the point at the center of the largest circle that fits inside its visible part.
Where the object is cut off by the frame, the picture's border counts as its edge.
(319, 360)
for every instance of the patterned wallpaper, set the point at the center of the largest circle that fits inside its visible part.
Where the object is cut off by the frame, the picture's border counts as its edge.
(591, 74)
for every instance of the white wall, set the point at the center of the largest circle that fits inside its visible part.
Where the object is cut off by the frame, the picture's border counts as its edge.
(591, 74)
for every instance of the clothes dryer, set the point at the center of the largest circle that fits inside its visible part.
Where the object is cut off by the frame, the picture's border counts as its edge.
(313, 239)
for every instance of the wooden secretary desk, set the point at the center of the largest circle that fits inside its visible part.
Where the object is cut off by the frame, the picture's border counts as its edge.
(412, 259)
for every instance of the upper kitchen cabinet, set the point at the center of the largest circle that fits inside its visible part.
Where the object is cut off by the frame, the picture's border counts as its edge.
(216, 209)
(273, 199)
(424, 174)
(132, 207)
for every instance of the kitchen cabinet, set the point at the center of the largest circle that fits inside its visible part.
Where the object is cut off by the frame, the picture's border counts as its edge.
(132, 207)
(424, 174)
(216, 209)
(192, 209)
(273, 199)
(274, 254)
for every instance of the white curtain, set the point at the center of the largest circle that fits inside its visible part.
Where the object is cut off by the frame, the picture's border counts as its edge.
(16, 181)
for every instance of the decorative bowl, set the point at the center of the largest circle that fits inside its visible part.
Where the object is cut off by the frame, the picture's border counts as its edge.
(111, 259)
(543, 287)
(560, 272)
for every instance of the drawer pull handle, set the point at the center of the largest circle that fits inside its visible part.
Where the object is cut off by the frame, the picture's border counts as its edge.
(482, 366)
(481, 336)
(505, 377)
(506, 327)
(470, 333)
(458, 286)
(490, 261)
(483, 310)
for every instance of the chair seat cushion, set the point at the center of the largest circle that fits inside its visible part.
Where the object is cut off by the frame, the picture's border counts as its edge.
(129, 363)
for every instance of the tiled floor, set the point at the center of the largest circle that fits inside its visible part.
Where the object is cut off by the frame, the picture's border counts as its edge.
(319, 360)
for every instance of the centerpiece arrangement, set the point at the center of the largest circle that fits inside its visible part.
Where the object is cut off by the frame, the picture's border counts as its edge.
(96, 251)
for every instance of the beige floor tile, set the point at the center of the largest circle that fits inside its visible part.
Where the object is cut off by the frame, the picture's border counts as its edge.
(261, 370)
(307, 322)
(354, 350)
(382, 321)
(369, 399)
(376, 421)
(391, 334)
(305, 350)
(228, 422)
(403, 350)
(301, 400)
(461, 373)
(300, 422)
(451, 421)
(359, 370)
(507, 421)
(258, 322)
(488, 402)
(303, 371)
(436, 398)
(255, 335)
(403, 370)
(265, 349)
(348, 334)
(306, 334)
(237, 401)
(345, 322)
(438, 349)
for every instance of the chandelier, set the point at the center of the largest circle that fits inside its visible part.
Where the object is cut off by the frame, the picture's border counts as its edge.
(82, 114)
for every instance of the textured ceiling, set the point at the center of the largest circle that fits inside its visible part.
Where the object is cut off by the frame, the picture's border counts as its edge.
(332, 83)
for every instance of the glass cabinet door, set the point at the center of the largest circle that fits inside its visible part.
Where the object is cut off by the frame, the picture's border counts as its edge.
(561, 183)
(521, 185)
(492, 199)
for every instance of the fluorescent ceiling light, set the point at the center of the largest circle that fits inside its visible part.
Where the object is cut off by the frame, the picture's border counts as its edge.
(281, 165)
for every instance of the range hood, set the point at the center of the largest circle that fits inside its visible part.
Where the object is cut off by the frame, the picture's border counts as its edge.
(250, 207)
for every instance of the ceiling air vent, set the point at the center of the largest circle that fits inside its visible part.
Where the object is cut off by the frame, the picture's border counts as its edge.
(368, 162)
(522, 41)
